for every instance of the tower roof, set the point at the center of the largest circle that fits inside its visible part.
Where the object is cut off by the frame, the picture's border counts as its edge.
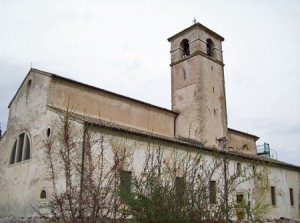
(197, 25)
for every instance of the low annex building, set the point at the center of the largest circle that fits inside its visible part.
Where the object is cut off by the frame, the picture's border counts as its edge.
(197, 120)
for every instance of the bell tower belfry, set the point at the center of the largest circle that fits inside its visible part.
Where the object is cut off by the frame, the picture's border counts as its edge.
(198, 88)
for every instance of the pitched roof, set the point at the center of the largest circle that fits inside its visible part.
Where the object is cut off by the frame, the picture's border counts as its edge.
(91, 87)
(244, 133)
(100, 123)
(199, 25)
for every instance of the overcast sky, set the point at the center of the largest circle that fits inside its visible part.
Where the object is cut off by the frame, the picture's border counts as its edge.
(122, 46)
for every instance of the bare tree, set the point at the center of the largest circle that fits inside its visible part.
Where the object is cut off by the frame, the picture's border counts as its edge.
(83, 167)
(184, 186)
(174, 185)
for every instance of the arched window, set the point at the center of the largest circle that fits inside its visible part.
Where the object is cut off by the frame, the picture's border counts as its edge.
(185, 48)
(48, 132)
(21, 149)
(43, 194)
(210, 47)
(28, 86)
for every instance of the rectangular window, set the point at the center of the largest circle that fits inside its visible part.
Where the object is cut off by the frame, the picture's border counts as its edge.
(179, 188)
(292, 196)
(125, 181)
(212, 192)
(273, 195)
(238, 168)
(240, 198)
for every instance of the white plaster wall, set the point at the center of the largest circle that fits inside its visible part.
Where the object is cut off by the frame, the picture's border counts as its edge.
(22, 182)
(110, 107)
(30, 176)
(283, 179)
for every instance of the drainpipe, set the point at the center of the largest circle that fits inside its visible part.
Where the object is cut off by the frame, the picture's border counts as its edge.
(226, 188)
(82, 166)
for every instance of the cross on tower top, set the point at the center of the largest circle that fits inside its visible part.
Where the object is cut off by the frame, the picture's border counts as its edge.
(194, 20)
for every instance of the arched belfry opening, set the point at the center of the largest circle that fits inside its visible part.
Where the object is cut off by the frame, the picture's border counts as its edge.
(185, 47)
(210, 47)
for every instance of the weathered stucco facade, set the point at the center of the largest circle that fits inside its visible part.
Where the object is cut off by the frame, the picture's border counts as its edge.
(197, 122)
(198, 91)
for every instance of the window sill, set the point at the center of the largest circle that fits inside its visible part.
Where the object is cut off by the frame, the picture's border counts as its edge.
(19, 163)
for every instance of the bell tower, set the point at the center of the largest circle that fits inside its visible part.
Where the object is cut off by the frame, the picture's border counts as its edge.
(198, 88)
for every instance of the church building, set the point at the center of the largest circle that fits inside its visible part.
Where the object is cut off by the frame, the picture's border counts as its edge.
(197, 120)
